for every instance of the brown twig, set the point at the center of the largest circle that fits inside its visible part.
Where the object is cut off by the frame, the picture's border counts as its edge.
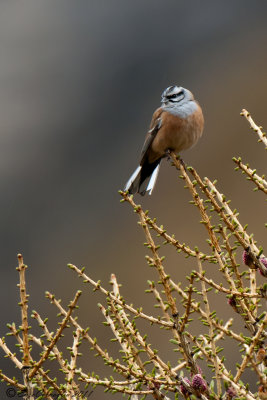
(63, 325)
(251, 175)
(198, 202)
(251, 349)
(222, 289)
(256, 128)
(24, 310)
(120, 301)
(188, 304)
(162, 232)
(234, 225)
(211, 331)
(71, 389)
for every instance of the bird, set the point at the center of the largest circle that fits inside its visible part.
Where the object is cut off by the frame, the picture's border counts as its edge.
(175, 126)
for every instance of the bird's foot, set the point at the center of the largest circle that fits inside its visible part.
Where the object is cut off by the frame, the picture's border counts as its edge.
(168, 154)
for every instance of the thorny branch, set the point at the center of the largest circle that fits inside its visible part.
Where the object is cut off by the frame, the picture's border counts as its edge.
(144, 368)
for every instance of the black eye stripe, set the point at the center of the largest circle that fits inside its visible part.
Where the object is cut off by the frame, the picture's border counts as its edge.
(173, 96)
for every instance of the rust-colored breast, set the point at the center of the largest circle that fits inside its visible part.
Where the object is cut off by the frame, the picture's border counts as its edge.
(176, 133)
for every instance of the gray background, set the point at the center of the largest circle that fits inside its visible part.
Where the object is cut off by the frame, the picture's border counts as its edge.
(79, 81)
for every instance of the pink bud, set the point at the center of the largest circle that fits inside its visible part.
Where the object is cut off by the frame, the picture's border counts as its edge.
(231, 301)
(198, 383)
(264, 262)
(231, 392)
(248, 260)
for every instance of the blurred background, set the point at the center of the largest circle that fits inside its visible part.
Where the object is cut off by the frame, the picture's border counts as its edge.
(79, 82)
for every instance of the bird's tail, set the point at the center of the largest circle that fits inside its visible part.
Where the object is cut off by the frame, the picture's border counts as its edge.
(143, 179)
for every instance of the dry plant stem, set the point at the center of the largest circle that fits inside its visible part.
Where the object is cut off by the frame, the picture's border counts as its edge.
(178, 336)
(211, 330)
(24, 310)
(244, 310)
(223, 371)
(244, 304)
(67, 367)
(195, 306)
(199, 203)
(142, 369)
(18, 364)
(261, 375)
(130, 332)
(14, 332)
(162, 232)
(251, 349)
(10, 355)
(226, 237)
(44, 374)
(126, 343)
(55, 352)
(158, 264)
(124, 322)
(224, 290)
(119, 312)
(114, 385)
(259, 181)
(188, 304)
(72, 365)
(119, 367)
(131, 381)
(178, 328)
(165, 371)
(50, 381)
(164, 279)
(256, 128)
(120, 302)
(120, 386)
(157, 295)
(220, 335)
(25, 328)
(213, 239)
(57, 335)
(179, 366)
(249, 240)
(229, 219)
(253, 288)
(12, 382)
(233, 224)
(239, 282)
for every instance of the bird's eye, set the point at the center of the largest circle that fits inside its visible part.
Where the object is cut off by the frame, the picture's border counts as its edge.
(172, 96)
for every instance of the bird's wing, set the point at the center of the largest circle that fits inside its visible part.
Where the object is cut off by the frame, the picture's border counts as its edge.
(151, 134)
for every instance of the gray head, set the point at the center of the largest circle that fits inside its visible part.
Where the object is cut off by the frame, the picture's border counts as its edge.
(176, 95)
(178, 101)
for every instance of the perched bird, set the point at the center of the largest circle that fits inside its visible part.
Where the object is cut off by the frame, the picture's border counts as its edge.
(176, 125)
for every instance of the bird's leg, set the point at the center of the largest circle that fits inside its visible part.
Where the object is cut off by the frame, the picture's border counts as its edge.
(168, 154)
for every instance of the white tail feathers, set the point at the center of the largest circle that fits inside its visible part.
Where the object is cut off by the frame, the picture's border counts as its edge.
(132, 178)
(152, 181)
